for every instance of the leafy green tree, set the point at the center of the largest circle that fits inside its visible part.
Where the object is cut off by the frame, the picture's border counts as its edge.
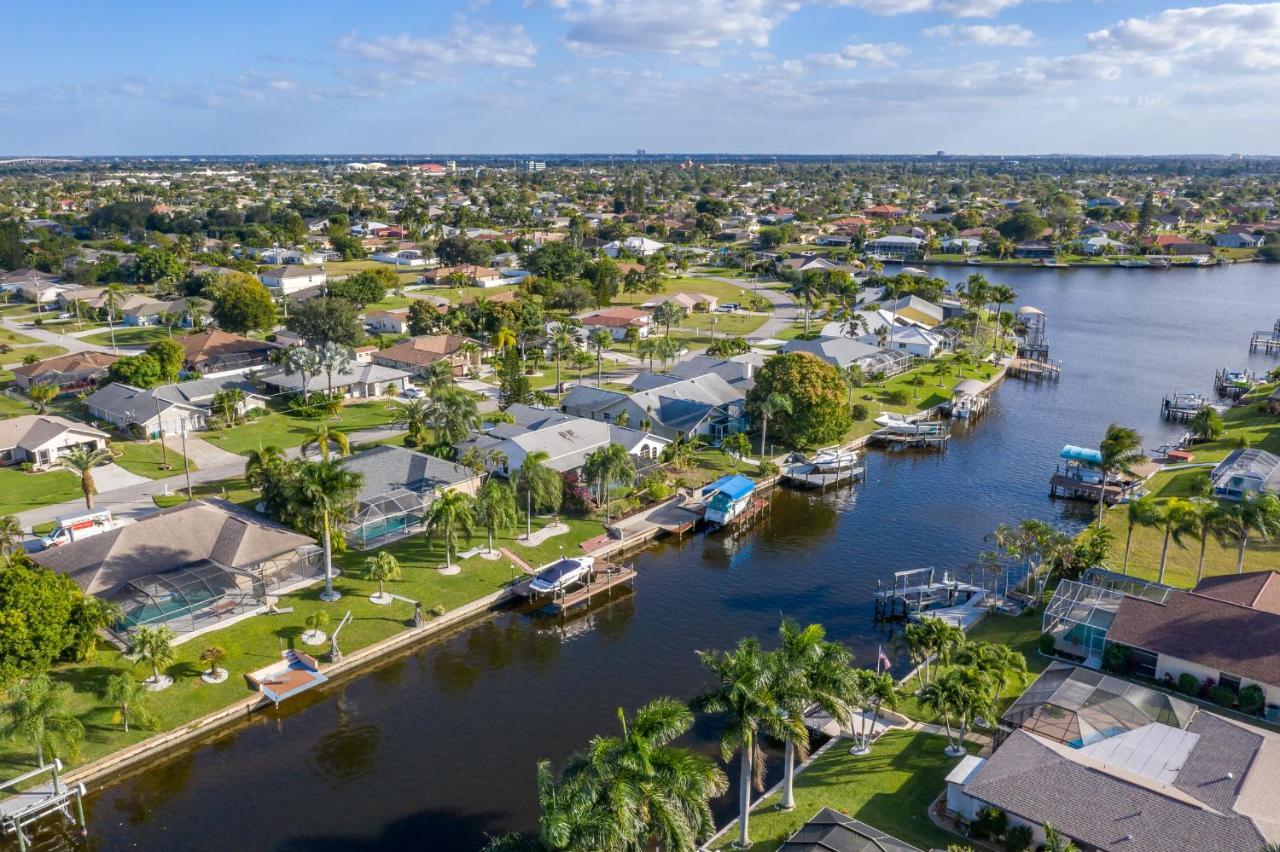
(737, 446)
(450, 516)
(156, 264)
(424, 318)
(154, 647)
(168, 356)
(38, 715)
(1021, 226)
(81, 461)
(816, 390)
(380, 568)
(242, 304)
(36, 606)
(365, 287)
(513, 385)
(42, 395)
(495, 509)
(542, 486)
(140, 371)
(606, 465)
(130, 700)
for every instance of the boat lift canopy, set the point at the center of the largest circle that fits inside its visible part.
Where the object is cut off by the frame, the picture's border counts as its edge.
(734, 486)
(1081, 454)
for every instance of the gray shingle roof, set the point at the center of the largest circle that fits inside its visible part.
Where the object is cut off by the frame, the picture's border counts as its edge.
(830, 831)
(387, 469)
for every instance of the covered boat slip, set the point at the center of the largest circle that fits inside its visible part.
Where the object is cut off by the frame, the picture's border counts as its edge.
(1079, 476)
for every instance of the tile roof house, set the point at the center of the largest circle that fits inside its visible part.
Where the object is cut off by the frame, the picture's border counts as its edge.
(215, 351)
(1118, 766)
(475, 276)
(616, 321)
(417, 354)
(33, 285)
(399, 486)
(70, 373)
(194, 567)
(41, 438)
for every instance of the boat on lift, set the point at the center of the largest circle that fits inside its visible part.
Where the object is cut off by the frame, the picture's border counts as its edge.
(900, 424)
(833, 460)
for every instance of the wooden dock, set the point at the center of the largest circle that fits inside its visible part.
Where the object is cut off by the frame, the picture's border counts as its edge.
(602, 581)
(803, 475)
(1037, 371)
(1266, 342)
(897, 442)
(920, 590)
(1182, 407)
(1078, 489)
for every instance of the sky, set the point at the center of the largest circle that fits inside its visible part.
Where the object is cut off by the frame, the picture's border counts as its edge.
(613, 76)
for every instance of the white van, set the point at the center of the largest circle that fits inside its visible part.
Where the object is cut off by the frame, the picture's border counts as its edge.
(76, 527)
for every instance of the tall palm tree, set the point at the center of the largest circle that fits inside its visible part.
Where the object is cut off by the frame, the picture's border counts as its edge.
(668, 314)
(324, 492)
(38, 715)
(321, 439)
(1001, 294)
(1121, 451)
(263, 464)
(1004, 667)
(450, 516)
(1256, 513)
(635, 790)
(495, 509)
(646, 348)
(977, 292)
(415, 415)
(605, 465)
(129, 698)
(875, 691)
(561, 345)
(808, 670)
(111, 303)
(301, 360)
(744, 696)
(333, 358)
(81, 461)
(42, 395)
(600, 339)
(771, 406)
(1205, 520)
(153, 646)
(955, 694)
(1143, 512)
(504, 338)
(1176, 518)
(541, 485)
(809, 288)
(380, 568)
(456, 414)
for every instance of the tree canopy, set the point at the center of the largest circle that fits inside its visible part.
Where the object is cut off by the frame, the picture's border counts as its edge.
(819, 413)
(242, 304)
(326, 320)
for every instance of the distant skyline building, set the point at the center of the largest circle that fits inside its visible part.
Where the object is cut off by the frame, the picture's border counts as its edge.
(536, 166)
(640, 152)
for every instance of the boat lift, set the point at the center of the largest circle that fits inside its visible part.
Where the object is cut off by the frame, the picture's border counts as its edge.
(335, 655)
(25, 807)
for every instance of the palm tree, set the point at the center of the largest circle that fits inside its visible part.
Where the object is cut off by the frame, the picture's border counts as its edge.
(415, 415)
(771, 406)
(668, 314)
(600, 339)
(303, 361)
(1143, 512)
(1258, 512)
(214, 656)
(111, 301)
(808, 288)
(632, 791)
(450, 515)
(680, 452)
(380, 568)
(38, 715)
(81, 460)
(263, 465)
(333, 358)
(977, 292)
(606, 464)
(495, 509)
(324, 491)
(129, 698)
(743, 695)
(875, 691)
(456, 414)
(154, 646)
(646, 349)
(10, 534)
(504, 338)
(1176, 518)
(1206, 425)
(1205, 520)
(1121, 451)
(955, 694)
(323, 437)
(1055, 841)
(541, 485)
(42, 395)
(1004, 667)
(561, 345)
(808, 670)
(1001, 294)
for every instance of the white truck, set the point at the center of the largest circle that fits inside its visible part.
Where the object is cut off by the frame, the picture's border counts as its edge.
(76, 527)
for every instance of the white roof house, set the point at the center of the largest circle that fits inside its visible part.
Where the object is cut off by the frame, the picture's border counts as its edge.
(638, 246)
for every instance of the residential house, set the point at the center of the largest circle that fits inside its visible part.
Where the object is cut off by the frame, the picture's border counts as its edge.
(467, 275)
(617, 321)
(360, 381)
(399, 487)
(168, 409)
(635, 246)
(961, 245)
(417, 355)
(894, 246)
(1037, 249)
(69, 373)
(388, 322)
(1245, 471)
(845, 352)
(689, 301)
(1098, 245)
(886, 211)
(832, 831)
(214, 352)
(1239, 240)
(32, 285)
(287, 280)
(703, 405)
(40, 439)
(412, 258)
(1119, 767)
(195, 567)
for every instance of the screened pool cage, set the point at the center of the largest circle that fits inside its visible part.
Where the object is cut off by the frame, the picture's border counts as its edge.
(1081, 611)
(202, 594)
(388, 517)
(891, 362)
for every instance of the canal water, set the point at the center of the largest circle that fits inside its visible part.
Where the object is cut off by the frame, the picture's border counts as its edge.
(438, 747)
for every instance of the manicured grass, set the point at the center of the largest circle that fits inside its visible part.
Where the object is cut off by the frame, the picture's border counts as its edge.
(937, 378)
(42, 351)
(10, 407)
(257, 641)
(288, 430)
(22, 491)
(696, 328)
(144, 458)
(721, 290)
(131, 336)
(15, 338)
(891, 789)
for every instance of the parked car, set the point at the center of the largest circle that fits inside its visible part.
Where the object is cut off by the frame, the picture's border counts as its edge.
(411, 393)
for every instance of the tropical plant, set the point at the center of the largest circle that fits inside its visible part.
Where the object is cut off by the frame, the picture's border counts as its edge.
(81, 460)
(380, 568)
(1143, 512)
(737, 446)
(450, 516)
(1055, 841)
(38, 715)
(1121, 452)
(213, 656)
(1257, 513)
(771, 406)
(743, 696)
(10, 535)
(303, 361)
(668, 314)
(415, 415)
(875, 691)
(600, 339)
(262, 465)
(495, 509)
(948, 695)
(1204, 520)
(129, 698)
(321, 493)
(605, 465)
(154, 647)
(680, 452)
(1207, 425)
(456, 414)
(542, 486)
(323, 437)
(333, 357)
(1176, 518)
(42, 395)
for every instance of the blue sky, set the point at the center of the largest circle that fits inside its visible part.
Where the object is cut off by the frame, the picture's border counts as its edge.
(771, 76)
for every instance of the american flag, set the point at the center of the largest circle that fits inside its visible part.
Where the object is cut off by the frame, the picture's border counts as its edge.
(883, 660)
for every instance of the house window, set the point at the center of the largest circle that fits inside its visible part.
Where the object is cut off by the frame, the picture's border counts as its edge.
(1144, 662)
(1231, 682)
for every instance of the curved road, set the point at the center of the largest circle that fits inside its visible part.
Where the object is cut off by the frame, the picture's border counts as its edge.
(785, 309)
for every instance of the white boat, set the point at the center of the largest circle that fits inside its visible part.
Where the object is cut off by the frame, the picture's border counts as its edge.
(832, 459)
(562, 574)
(900, 424)
(727, 498)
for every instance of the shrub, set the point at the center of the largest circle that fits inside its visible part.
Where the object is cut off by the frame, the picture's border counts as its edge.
(991, 823)
(657, 486)
(861, 411)
(1117, 658)
(1251, 699)
(1046, 643)
(1018, 839)
(1188, 684)
(768, 467)
(898, 396)
(1222, 696)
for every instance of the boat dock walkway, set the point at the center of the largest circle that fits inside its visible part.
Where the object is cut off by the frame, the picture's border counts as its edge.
(897, 442)
(805, 475)
(1033, 370)
(1267, 342)
(24, 807)
(602, 581)
(918, 590)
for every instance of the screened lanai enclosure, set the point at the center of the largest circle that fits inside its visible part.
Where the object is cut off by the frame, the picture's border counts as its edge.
(1081, 611)
(891, 362)
(386, 517)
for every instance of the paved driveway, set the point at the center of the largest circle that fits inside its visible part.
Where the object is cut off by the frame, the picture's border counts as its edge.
(110, 477)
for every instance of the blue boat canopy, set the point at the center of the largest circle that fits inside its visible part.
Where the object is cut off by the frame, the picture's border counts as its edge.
(1081, 454)
(735, 487)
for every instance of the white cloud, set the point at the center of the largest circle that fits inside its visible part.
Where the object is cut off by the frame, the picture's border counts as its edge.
(853, 55)
(501, 46)
(984, 35)
(1231, 37)
(953, 8)
(669, 26)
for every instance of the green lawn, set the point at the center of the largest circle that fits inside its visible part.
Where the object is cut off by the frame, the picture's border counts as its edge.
(696, 328)
(144, 458)
(288, 430)
(257, 641)
(131, 336)
(937, 378)
(891, 789)
(10, 407)
(22, 491)
(15, 338)
(42, 351)
(721, 290)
